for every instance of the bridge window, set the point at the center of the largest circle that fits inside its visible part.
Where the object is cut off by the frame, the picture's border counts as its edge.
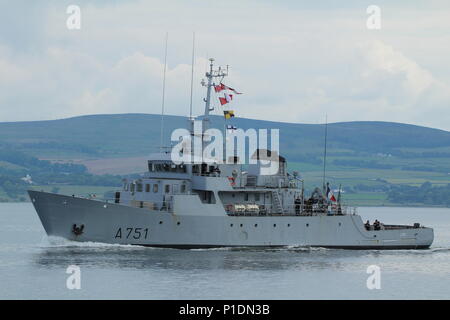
(139, 187)
(167, 167)
(257, 197)
(245, 196)
(183, 188)
(179, 168)
(147, 188)
(167, 188)
(132, 186)
(155, 188)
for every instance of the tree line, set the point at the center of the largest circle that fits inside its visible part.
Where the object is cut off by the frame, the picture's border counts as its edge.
(425, 194)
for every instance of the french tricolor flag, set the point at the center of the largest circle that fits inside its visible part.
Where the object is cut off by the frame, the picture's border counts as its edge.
(331, 196)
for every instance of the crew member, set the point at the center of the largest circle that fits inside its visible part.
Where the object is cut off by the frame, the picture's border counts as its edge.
(376, 225)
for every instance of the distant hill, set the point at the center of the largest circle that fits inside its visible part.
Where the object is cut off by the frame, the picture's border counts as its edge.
(125, 135)
(377, 163)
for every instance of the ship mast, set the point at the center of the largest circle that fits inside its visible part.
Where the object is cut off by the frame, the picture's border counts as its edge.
(209, 84)
(210, 75)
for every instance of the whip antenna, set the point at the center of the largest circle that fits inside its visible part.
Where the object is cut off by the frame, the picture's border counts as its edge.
(192, 74)
(163, 93)
(325, 151)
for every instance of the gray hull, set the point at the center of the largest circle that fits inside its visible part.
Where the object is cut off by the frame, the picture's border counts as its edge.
(119, 224)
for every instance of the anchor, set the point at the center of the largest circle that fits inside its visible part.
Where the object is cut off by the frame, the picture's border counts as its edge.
(77, 230)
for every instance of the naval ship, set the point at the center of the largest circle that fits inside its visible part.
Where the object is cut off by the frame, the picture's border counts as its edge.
(207, 204)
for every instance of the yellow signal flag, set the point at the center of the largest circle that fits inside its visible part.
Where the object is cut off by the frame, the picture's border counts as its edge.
(228, 114)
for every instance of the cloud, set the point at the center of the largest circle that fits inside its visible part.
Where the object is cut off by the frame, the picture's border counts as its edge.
(11, 74)
(383, 60)
(293, 62)
(103, 101)
(408, 90)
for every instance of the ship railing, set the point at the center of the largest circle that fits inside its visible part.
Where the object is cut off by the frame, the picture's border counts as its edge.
(142, 204)
(397, 227)
(290, 210)
(210, 174)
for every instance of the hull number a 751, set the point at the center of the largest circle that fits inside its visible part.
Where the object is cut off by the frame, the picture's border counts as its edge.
(131, 233)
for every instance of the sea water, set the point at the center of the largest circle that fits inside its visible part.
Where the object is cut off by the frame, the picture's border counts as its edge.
(33, 266)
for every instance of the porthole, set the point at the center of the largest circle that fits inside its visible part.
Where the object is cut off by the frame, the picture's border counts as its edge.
(256, 225)
(242, 225)
(340, 224)
(374, 235)
(274, 225)
(178, 223)
(307, 224)
(231, 225)
(160, 222)
(289, 225)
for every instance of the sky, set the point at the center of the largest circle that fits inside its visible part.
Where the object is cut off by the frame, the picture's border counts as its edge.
(295, 61)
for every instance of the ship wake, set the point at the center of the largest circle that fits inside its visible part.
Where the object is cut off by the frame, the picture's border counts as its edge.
(59, 242)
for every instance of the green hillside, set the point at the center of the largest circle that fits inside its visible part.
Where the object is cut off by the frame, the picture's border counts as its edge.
(138, 134)
(368, 158)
